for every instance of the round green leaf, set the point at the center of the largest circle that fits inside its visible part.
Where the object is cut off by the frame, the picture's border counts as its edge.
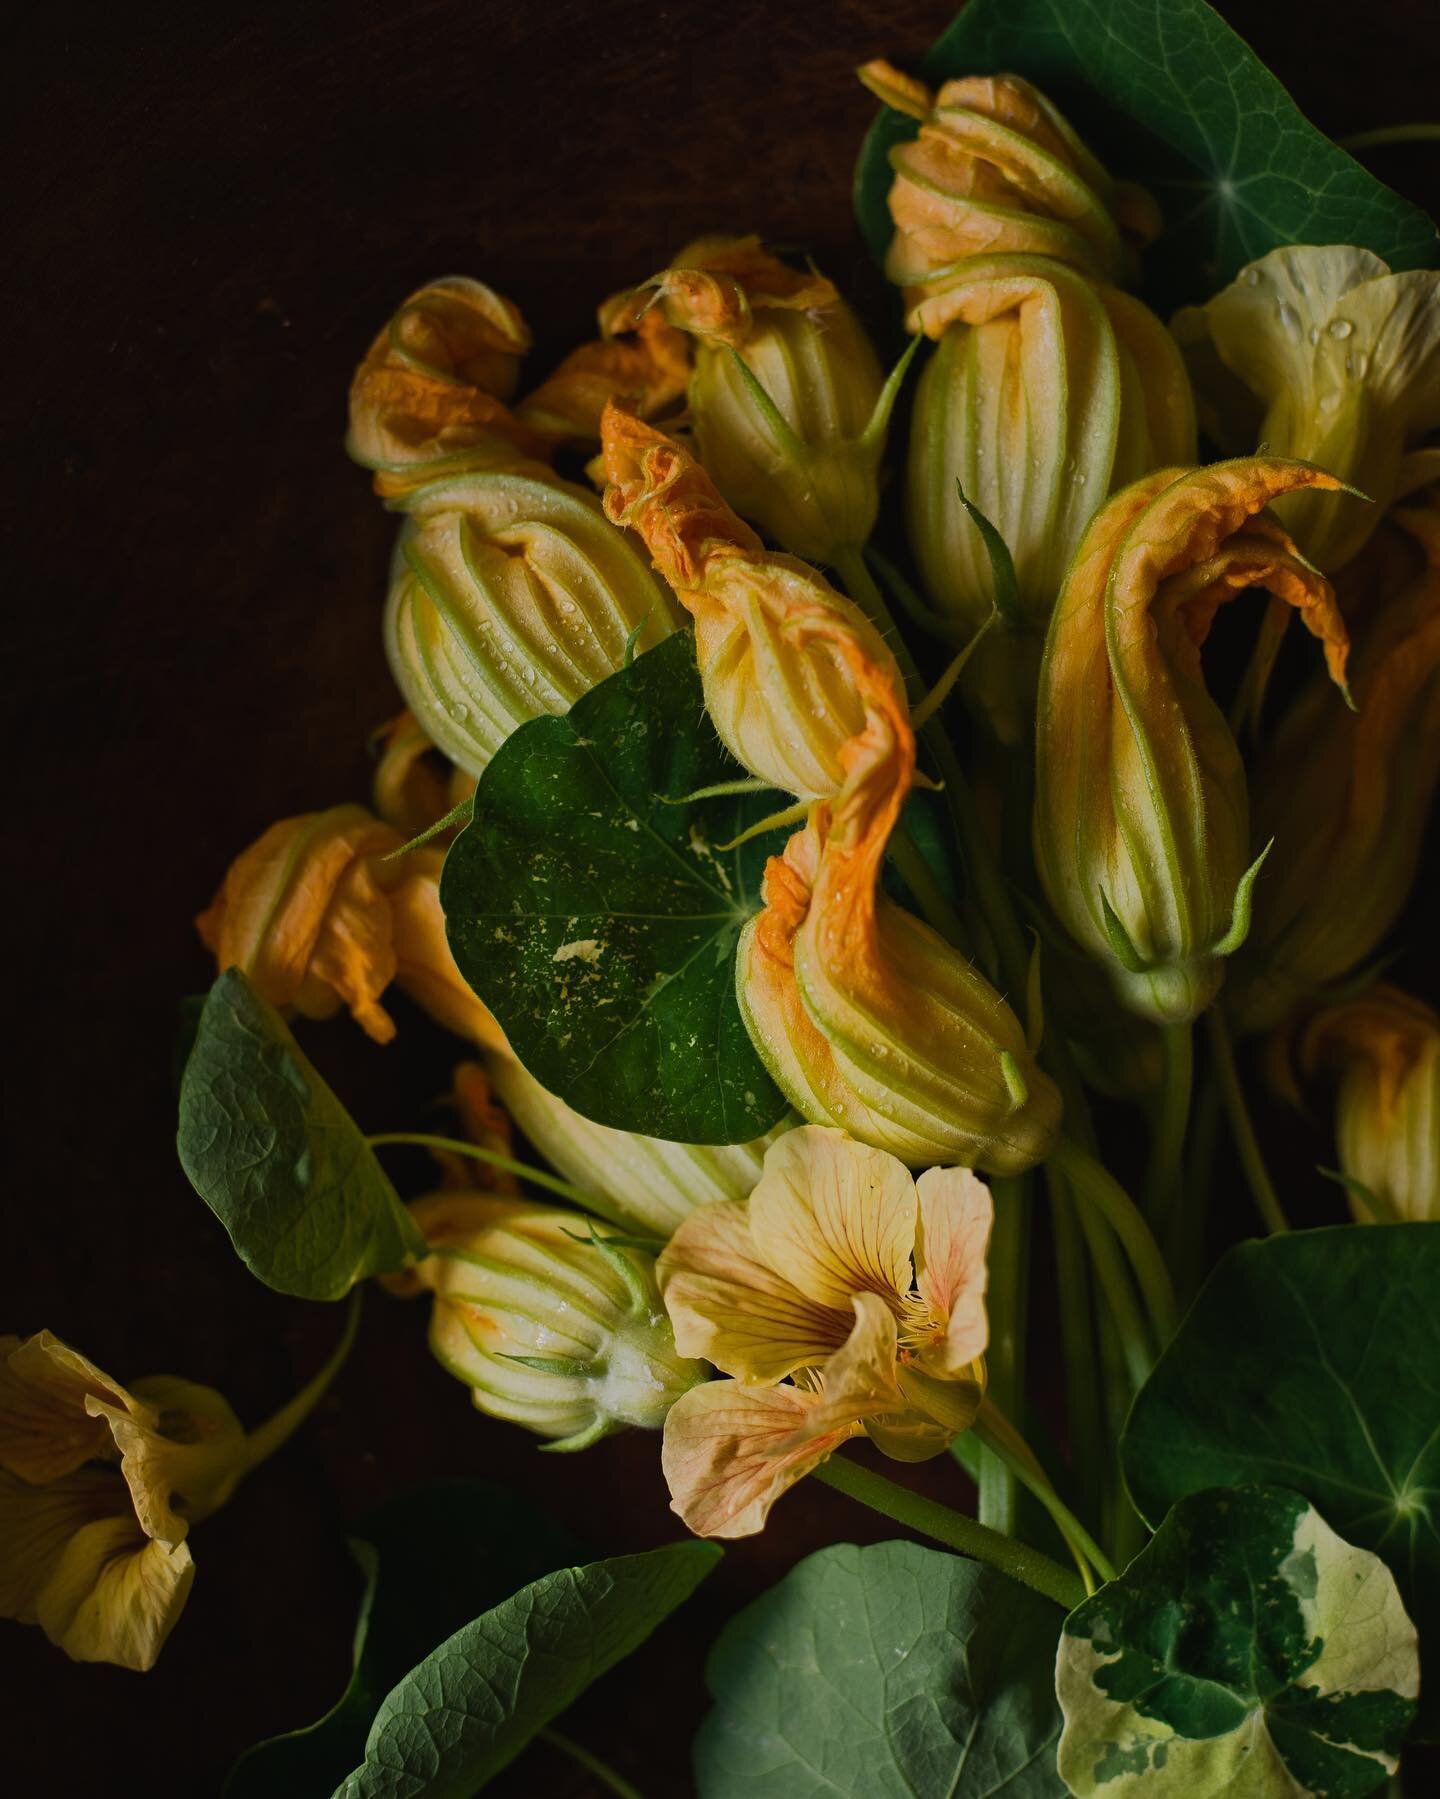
(1246, 1651)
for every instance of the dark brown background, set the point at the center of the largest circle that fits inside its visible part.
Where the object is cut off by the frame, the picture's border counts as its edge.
(218, 205)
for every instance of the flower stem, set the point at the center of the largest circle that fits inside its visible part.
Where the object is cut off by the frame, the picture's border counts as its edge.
(1001, 1437)
(1391, 134)
(1162, 1194)
(1078, 1345)
(1092, 1183)
(589, 1761)
(1247, 1145)
(1008, 1264)
(929, 1519)
(930, 896)
(538, 1177)
(277, 1430)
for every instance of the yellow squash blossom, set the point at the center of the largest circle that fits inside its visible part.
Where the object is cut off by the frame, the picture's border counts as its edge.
(639, 357)
(995, 168)
(1142, 829)
(777, 646)
(1320, 352)
(843, 1297)
(414, 785)
(318, 918)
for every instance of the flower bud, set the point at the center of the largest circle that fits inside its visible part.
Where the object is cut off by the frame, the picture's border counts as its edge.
(1339, 361)
(639, 357)
(547, 1323)
(429, 397)
(1142, 834)
(510, 598)
(646, 1182)
(995, 168)
(778, 647)
(1046, 393)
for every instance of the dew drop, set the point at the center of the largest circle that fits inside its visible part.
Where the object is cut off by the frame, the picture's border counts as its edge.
(1251, 276)
(1289, 318)
(1314, 334)
(1339, 327)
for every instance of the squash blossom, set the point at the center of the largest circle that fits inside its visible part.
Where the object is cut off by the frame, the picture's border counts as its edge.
(994, 168)
(318, 918)
(550, 1325)
(511, 595)
(1347, 796)
(787, 399)
(648, 1183)
(1322, 353)
(1383, 1047)
(639, 357)
(429, 398)
(842, 1298)
(865, 1017)
(1142, 830)
(776, 644)
(414, 785)
(1047, 391)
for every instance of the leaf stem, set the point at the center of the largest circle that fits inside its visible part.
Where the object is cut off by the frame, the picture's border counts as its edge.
(929, 1519)
(1162, 1193)
(1242, 1129)
(589, 1761)
(277, 1430)
(1391, 134)
(1008, 1265)
(457, 1146)
(1091, 1182)
(1078, 1344)
(1002, 1438)
(930, 896)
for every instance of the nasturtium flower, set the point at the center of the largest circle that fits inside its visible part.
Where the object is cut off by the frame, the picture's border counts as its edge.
(781, 653)
(649, 1183)
(429, 398)
(1142, 828)
(843, 1297)
(1047, 391)
(414, 785)
(510, 597)
(639, 357)
(995, 168)
(549, 1325)
(1320, 352)
(318, 916)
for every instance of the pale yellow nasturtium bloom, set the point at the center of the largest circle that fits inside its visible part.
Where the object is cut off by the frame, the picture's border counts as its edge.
(1319, 352)
(777, 646)
(995, 168)
(842, 1298)
(1142, 827)
(317, 918)
(1047, 391)
(549, 1327)
(429, 398)
(639, 357)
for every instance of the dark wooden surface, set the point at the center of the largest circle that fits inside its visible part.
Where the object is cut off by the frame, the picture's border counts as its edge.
(218, 204)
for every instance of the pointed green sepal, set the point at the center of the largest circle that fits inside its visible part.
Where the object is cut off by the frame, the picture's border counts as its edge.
(1002, 563)
(1244, 896)
(1118, 937)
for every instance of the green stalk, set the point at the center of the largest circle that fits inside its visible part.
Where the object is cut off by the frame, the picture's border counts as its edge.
(930, 896)
(1093, 1184)
(1391, 134)
(266, 1438)
(537, 1177)
(929, 1519)
(1004, 1441)
(590, 1762)
(1078, 1345)
(1162, 1194)
(1132, 1337)
(1008, 1263)
(1187, 1238)
(1247, 1145)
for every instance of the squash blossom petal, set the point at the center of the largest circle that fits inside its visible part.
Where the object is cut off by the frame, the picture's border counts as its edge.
(550, 1326)
(639, 357)
(787, 398)
(483, 1121)
(1383, 1048)
(429, 398)
(1347, 796)
(997, 168)
(414, 785)
(1142, 831)
(864, 1016)
(1046, 393)
(646, 1182)
(510, 597)
(842, 1297)
(318, 918)
(1340, 363)
(778, 647)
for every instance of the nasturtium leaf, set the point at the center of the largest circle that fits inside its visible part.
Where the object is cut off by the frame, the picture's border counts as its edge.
(1167, 94)
(598, 919)
(1312, 1359)
(474, 1703)
(432, 1559)
(278, 1159)
(884, 1673)
(1248, 1651)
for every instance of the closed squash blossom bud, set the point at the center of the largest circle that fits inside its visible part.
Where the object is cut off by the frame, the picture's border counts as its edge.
(510, 597)
(548, 1325)
(776, 644)
(648, 1183)
(995, 168)
(1046, 393)
(1341, 362)
(1142, 834)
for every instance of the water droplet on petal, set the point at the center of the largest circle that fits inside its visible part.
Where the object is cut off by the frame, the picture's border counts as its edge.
(1339, 327)
(1251, 276)
(1289, 318)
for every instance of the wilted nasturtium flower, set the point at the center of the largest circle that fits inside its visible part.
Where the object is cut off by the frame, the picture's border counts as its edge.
(510, 597)
(844, 1298)
(317, 917)
(639, 357)
(778, 647)
(1047, 391)
(547, 1323)
(649, 1183)
(995, 168)
(1142, 828)
(1322, 353)
(430, 396)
